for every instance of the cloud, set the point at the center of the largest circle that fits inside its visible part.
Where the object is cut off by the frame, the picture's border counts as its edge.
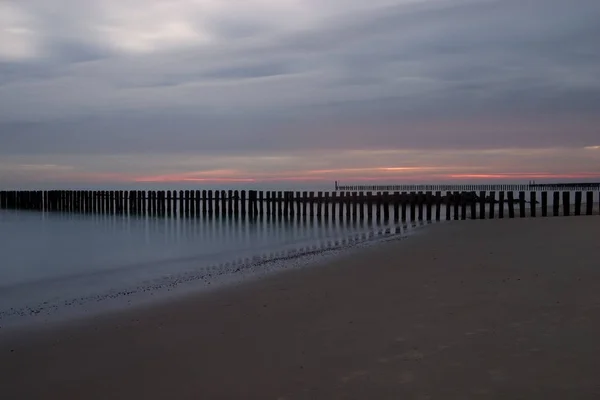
(266, 77)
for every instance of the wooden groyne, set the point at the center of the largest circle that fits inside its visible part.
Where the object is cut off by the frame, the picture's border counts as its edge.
(468, 188)
(351, 206)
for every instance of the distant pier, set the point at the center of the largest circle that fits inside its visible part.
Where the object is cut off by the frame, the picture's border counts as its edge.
(469, 188)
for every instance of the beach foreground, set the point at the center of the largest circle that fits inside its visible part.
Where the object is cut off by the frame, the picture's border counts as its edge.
(493, 309)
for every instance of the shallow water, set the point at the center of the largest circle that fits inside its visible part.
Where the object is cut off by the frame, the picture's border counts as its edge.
(57, 264)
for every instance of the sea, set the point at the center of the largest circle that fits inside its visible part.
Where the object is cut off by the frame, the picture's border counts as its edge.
(58, 266)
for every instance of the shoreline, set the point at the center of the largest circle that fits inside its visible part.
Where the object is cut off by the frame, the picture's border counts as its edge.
(211, 279)
(503, 308)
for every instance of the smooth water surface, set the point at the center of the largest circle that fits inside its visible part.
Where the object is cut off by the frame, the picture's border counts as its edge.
(53, 260)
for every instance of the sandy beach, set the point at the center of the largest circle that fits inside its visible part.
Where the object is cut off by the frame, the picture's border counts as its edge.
(502, 309)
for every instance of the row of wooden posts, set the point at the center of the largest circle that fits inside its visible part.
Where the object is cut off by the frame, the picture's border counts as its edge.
(355, 205)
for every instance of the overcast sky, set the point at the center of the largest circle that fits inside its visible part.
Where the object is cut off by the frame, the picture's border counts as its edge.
(191, 90)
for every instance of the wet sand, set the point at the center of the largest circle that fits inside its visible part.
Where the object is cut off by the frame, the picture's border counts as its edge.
(503, 309)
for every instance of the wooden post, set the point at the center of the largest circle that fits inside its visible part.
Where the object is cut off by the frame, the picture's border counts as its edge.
(225, 201)
(348, 205)
(457, 203)
(209, 202)
(131, 199)
(556, 204)
(448, 201)
(482, 204)
(292, 207)
(204, 202)
(197, 203)
(319, 205)
(438, 205)
(566, 204)
(403, 204)
(143, 202)
(577, 203)
(236, 203)
(355, 202)
(589, 203)
(286, 203)
(413, 201)
(280, 201)
(463, 205)
(511, 204)
(160, 206)
(522, 204)
(273, 204)
(252, 204)
(169, 204)
(111, 202)
(269, 200)
(261, 202)
(182, 204)
(532, 204)
(544, 204)
(229, 203)
(243, 200)
(420, 201)
(369, 206)
(333, 205)
(311, 205)
(492, 214)
(304, 203)
(386, 206)
(258, 203)
(473, 205)
(151, 203)
(396, 201)
(158, 199)
(428, 201)
(118, 202)
(188, 203)
(341, 209)
(217, 207)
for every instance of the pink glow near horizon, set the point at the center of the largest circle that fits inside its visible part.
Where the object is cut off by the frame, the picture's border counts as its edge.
(122, 178)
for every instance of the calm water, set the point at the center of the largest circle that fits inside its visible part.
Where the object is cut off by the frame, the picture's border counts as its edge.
(55, 264)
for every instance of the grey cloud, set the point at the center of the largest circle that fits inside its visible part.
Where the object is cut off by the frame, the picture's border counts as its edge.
(398, 76)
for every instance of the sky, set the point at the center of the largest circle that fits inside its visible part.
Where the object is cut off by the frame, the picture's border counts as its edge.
(247, 91)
